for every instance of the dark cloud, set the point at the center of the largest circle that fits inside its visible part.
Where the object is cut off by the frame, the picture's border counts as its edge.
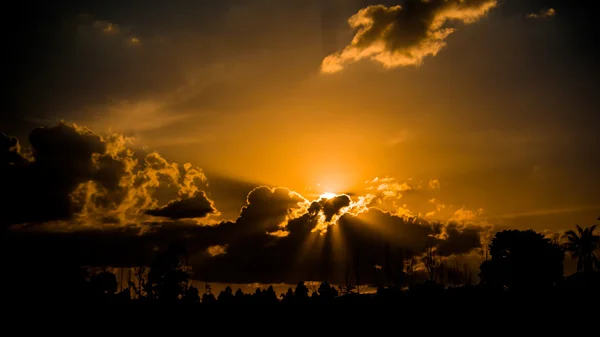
(10, 152)
(38, 188)
(89, 198)
(405, 34)
(229, 193)
(80, 179)
(196, 206)
(306, 254)
(269, 209)
(459, 240)
(330, 206)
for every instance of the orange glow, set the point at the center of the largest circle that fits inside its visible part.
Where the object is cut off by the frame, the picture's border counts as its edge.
(328, 195)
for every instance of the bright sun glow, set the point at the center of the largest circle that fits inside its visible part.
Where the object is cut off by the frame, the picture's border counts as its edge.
(328, 195)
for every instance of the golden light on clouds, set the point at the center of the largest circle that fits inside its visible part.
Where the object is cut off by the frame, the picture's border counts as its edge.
(217, 250)
(328, 195)
(390, 37)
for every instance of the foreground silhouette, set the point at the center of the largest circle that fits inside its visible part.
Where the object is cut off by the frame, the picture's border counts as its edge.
(521, 265)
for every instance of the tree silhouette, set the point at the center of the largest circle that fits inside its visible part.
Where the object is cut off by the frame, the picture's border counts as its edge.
(522, 260)
(356, 267)
(167, 280)
(191, 295)
(327, 292)
(581, 245)
(432, 263)
(269, 296)
(288, 297)
(408, 264)
(301, 292)
(139, 287)
(208, 298)
(239, 296)
(225, 296)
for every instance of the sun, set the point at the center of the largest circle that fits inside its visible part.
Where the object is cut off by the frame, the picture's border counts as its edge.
(328, 195)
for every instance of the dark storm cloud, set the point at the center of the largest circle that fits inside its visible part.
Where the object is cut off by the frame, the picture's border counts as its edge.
(405, 34)
(85, 179)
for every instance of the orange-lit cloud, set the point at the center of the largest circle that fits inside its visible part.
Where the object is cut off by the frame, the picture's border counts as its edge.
(86, 180)
(217, 250)
(439, 206)
(135, 41)
(107, 27)
(404, 35)
(388, 187)
(196, 206)
(543, 14)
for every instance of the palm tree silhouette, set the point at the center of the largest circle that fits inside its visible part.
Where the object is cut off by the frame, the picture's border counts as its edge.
(581, 245)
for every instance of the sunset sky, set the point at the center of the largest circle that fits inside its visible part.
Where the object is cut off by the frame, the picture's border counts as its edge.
(483, 113)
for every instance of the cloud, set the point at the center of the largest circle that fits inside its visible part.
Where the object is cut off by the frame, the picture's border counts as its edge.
(389, 187)
(217, 250)
(196, 206)
(10, 152)
(330, 206)
(38, 188)
(134, 41)
(109, 29)
(77, 179)
(464, 214)
(439, 206)
(269, 209)
(95, 194)
(404, 35)
(543, 14)
(304, 253)
(104, 26)
(246, 251)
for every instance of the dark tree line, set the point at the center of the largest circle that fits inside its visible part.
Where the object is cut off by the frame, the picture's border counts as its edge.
(518, 262)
